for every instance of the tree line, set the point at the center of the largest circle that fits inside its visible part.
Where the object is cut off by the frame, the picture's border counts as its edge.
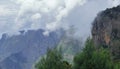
(89, 58)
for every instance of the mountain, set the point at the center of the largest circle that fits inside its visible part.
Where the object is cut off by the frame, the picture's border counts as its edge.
(23, 50)
(106, 30)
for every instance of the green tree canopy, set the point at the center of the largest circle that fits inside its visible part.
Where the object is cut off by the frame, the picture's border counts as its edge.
(92, 59)
(53, 60)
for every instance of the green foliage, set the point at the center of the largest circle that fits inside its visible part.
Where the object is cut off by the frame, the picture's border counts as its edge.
(89, 48)
(82, 60)
(117, 65)
(101, 60)
(89, 58)
(53, 60)
(92, 59)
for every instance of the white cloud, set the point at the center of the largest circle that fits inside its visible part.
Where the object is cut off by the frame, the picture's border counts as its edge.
(36, 16)
(59, 8)
(43, 6)
(63, 12)
(48, 14)
(4, 11)
(35, 26)
(113, 3)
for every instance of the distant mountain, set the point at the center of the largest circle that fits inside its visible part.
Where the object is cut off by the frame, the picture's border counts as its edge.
(22, 51)
(106, 30)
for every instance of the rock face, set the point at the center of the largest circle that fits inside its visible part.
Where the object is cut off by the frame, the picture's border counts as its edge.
(106, 30)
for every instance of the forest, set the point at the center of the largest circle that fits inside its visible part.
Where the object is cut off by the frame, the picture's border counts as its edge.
(89, 58)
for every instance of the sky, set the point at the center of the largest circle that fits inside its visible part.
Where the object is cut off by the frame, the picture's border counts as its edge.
(50, 15)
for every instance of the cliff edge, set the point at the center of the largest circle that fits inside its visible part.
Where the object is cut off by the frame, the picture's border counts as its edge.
(106, 30)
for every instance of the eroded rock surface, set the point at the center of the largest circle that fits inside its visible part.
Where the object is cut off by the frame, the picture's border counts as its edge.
(106, 30)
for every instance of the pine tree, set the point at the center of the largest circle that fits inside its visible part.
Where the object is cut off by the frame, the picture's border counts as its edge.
(91, 58)
(53, 60)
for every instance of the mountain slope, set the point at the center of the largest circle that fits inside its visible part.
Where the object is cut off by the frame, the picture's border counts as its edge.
(22, 51)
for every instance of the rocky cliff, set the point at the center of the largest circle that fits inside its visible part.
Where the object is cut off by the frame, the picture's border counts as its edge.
(106, 30)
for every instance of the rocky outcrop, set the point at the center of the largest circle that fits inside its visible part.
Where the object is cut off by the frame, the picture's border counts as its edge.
(106, 30)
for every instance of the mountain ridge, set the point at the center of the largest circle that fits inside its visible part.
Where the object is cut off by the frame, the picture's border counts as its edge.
(28, 47)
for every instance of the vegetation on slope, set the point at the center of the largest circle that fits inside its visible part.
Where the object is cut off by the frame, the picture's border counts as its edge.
(89, 58)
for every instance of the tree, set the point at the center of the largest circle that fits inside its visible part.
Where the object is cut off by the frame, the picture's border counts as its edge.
(101, 59)
(117, 65)
(53, 60)
(91, 58)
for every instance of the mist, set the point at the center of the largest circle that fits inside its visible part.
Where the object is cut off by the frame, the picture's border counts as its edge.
(50, 15)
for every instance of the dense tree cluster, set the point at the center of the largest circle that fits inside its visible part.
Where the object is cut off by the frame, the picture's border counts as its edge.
(53, 60)
(89, 58)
